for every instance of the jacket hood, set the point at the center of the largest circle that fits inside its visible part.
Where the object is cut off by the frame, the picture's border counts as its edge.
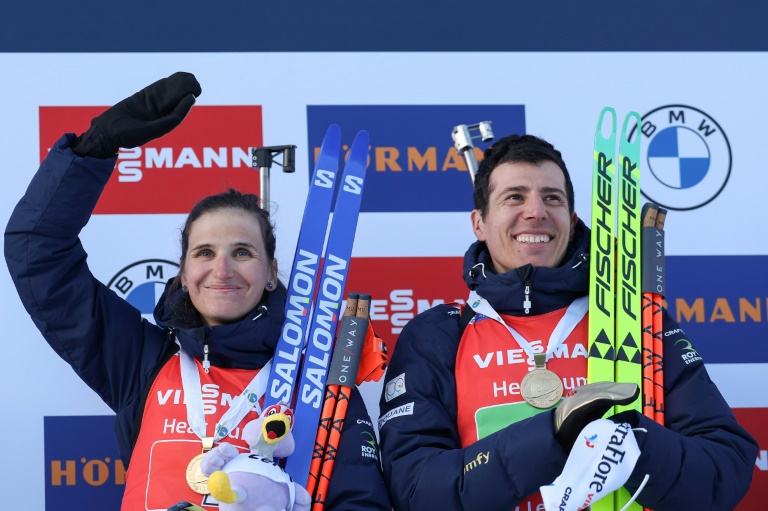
(246, 344)
(550, 288)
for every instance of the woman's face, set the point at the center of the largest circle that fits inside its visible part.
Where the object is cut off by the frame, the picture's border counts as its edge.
(226, 268)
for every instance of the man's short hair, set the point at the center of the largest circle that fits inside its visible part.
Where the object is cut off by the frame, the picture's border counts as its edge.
(517, 149)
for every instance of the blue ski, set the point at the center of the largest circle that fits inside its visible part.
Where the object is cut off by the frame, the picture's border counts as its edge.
(322, 332)
(301, 286)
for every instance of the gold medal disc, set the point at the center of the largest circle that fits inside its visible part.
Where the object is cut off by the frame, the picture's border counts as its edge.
(195, 478)
(541, 388)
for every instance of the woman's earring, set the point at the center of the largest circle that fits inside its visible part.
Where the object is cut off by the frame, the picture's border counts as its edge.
(183, 289)
(270, 286)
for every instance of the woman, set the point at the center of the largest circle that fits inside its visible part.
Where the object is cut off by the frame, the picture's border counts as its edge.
(218, 320)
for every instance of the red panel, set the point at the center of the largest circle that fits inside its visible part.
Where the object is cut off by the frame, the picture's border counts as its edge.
(401, 287)
(206, 154)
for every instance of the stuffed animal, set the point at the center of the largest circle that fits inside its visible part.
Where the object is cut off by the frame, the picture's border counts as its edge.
(253, 481)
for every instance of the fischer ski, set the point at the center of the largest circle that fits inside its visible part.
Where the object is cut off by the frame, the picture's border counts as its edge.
(324, 322)
(629, 360)
(601, 337)
(615, 311)
(301, 285)
(629, 269)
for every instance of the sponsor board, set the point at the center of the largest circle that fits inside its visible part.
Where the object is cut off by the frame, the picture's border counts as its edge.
(83, 469)
(713, 298)
(209, 152)
(413, 165)
(721, 304)
(402, 287)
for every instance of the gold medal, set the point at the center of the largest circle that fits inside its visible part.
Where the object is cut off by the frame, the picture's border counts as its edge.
(541, 388)
(195, 478)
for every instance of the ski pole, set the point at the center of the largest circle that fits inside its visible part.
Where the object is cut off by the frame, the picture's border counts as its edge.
(326, 415)
(658, 333)
(649, 222)
(347, 354)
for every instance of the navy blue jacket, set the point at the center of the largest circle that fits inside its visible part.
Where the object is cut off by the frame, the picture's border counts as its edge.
(117, 352)
(701, 460)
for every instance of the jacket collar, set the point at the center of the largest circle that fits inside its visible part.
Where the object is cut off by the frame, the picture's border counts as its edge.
(549, 288)
(246, 344)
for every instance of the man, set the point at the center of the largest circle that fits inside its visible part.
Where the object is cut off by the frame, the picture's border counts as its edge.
(460, 429)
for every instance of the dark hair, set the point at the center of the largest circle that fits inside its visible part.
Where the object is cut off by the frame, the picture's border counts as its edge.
(231, 199)
(516, 149)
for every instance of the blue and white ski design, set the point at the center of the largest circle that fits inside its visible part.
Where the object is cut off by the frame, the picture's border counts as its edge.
(322, 333)
(301, 286)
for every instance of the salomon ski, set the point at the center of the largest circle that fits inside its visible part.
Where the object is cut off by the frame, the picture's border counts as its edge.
(322, 332)
(301, 285)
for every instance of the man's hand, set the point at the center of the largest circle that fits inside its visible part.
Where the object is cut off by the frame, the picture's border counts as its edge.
(149, 114)
(586, 404)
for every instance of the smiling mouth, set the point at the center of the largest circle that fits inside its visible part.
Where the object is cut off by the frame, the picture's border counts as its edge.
(533, 238)
(223, 289)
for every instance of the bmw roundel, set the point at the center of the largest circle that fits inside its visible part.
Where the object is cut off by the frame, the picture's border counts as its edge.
(142, 283)
(686, 157)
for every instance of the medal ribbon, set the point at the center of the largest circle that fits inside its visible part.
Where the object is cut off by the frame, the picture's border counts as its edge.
(244, 403)
(573, 315)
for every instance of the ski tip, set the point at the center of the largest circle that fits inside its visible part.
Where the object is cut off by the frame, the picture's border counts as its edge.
(605, 132)
(362, 135)
(332, 136)
(630, 128)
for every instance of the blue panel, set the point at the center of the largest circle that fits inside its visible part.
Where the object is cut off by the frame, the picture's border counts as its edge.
(411, 168)
(722, 304)
(396, 25)
(83, 470)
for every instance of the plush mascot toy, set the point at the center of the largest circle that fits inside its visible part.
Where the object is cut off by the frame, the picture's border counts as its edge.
(253, 481)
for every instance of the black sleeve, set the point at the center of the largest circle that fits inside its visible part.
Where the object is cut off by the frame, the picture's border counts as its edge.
(702, 459)
(425, 466)
(105, 340)
(356, 482)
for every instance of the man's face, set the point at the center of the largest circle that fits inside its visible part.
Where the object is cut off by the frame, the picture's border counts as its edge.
(527, 221)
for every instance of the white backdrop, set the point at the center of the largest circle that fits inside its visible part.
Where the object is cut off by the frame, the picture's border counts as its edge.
(562, 94)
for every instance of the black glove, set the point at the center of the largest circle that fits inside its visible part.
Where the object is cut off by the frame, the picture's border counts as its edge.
(149, 114)
(586, 404)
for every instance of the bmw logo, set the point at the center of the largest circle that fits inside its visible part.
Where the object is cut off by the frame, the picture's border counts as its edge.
(142, 283)
(686, 157)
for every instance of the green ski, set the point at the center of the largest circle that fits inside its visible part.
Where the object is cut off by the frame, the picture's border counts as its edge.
(629, 363)
(602, 305)
(628, 294)
(615, 351)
